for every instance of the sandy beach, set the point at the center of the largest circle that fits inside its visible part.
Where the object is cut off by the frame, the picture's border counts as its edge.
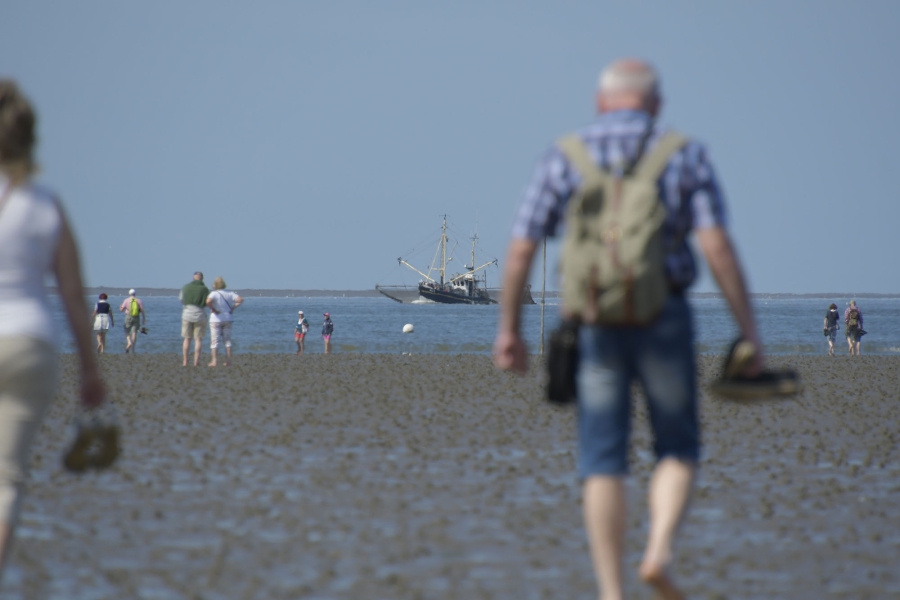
(436, 477)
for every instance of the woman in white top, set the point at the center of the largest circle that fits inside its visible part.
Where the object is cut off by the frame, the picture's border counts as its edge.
(35, 241)
(221, 305)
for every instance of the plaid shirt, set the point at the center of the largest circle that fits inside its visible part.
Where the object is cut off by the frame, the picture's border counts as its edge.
(688, 187)
(847, 316)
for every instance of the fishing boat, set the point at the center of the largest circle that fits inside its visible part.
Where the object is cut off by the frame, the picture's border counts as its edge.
(468, 287)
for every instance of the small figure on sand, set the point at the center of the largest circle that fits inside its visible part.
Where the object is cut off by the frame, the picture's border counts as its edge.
(135, 316)
(221, 304)
(832, 324)
(300, 331)
(103, 320)
(193, 317)
(853, 318)
(327, 330)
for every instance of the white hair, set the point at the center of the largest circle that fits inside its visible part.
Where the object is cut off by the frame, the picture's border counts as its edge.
(629, 76)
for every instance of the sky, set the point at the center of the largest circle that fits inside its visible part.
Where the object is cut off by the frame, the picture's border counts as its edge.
(308, 145)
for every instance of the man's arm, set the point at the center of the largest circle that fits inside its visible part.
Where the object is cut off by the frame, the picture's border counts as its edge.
(509, 349)
(726, 269)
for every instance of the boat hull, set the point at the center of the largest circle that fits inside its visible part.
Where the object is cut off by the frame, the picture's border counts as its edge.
(445, 297)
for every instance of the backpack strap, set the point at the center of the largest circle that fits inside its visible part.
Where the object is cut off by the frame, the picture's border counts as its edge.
(652, 165)
(577, 154)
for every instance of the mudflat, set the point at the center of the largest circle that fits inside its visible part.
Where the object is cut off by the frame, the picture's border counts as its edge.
(385, 476)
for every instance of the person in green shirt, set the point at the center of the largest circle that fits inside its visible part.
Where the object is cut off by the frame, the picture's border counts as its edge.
(193, 317)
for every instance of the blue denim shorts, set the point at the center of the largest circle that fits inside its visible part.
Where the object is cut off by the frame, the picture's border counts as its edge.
(660, 357)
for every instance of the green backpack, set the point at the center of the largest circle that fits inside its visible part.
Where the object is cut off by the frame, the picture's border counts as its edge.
(613, 255)
(134, 309)
(853, 318)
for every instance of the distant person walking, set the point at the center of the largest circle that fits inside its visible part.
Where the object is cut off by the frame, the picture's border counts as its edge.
(135, 316)
(193, 317)
(853, 318)
(103, 320)
(832, 324)
(221, 304)
(300, 331)
(327, 330)
(35, 242)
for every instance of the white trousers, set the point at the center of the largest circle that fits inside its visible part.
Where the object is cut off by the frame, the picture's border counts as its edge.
(28, 380)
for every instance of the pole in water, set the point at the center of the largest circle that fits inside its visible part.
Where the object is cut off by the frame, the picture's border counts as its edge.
(543, 289)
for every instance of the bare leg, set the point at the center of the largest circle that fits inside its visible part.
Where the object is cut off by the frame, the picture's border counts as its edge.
(669, 494)
(604, 519)
(134, 342)
(127, 342)
(102, 335)
(185, 346)
(227, 356)
(298, 346)
(198, 349)
(212, 352)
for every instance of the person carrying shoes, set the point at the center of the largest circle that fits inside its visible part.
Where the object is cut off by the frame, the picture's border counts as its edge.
(629, 192)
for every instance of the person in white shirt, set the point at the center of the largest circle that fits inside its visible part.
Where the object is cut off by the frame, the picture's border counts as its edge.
(35, 241)
(221, 305)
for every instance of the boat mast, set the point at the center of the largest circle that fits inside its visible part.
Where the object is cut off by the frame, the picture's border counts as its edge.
(443, 249)
(474, 241)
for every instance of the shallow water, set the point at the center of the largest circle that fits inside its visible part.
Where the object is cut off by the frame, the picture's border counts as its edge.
(373, 476)
(789, 326)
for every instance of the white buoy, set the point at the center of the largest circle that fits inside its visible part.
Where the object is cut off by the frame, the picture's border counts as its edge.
(408, 328)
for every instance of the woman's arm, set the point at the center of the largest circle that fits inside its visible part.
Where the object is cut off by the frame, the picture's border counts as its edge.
(209, 303)
(67, 269)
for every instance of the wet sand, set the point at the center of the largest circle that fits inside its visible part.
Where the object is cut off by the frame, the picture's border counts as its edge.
(375, 476)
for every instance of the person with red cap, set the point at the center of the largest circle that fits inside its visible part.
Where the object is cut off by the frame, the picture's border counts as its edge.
(327, 330)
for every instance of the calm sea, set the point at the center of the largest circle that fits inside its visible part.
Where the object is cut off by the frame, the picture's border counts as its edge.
(266, 325)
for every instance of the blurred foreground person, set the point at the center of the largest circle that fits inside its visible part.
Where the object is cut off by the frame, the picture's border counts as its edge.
(594, 181)
(35, 240)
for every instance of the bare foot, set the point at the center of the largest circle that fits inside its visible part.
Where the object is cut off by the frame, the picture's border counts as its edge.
(211, 365)
(658, 579)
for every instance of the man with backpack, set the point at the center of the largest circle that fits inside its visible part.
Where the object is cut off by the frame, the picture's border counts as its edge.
(629, 193)
(135, 317)
(853, 319)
